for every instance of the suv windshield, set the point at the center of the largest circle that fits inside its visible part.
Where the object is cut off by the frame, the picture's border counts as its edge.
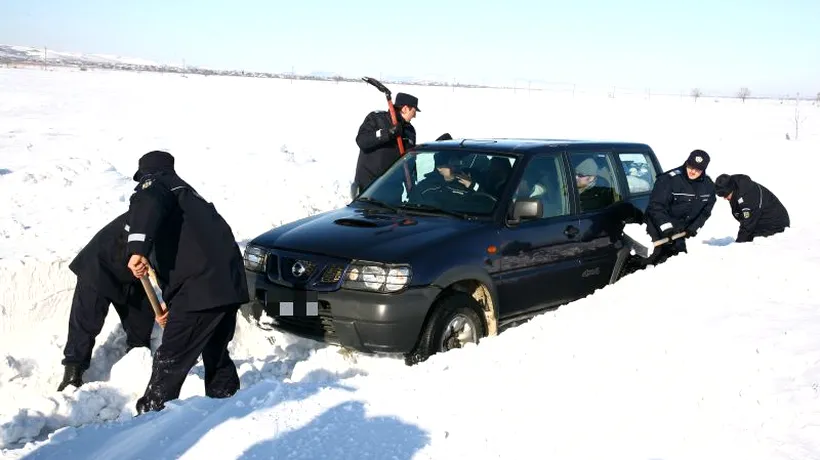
(448, 181)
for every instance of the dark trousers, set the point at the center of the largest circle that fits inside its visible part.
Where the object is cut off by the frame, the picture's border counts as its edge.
(187, 335)
(87, 317)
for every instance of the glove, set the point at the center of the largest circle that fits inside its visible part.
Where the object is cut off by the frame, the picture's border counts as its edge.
(389, 133)
(691, 232)
(669, 232)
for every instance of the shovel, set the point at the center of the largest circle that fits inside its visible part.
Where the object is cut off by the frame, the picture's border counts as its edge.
(638, 239)
(154, 293)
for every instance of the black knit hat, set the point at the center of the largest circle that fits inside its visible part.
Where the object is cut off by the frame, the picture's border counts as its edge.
(724, 185)
(152, 162)
(698, 159)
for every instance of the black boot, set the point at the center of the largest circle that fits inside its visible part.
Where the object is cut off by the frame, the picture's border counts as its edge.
(144, 404)
(73, 376)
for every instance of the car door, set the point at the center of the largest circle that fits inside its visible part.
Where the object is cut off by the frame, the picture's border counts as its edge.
(540, 257)
(600, 198)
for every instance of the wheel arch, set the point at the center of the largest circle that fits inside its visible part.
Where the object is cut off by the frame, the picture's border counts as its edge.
(479, 285)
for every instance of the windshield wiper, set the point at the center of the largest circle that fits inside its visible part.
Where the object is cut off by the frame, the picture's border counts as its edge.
(434, 209)
(379, 203)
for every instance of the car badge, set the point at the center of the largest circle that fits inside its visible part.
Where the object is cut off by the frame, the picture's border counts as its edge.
(298, 269)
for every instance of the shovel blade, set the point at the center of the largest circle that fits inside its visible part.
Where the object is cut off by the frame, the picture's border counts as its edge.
(636, 237)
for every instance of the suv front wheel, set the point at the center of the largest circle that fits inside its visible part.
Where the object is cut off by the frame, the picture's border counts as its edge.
(454, 322)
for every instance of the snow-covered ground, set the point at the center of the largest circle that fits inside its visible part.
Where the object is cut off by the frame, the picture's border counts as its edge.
(715, 354)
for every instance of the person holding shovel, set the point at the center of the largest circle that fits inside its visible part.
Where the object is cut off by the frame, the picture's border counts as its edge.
(377, 141)
(198, 257)
(681, 202)
(103, 280)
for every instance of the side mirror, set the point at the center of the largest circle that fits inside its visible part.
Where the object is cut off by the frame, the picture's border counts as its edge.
(529, 208)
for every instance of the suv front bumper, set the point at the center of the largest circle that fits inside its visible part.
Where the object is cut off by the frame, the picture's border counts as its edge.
(365, 321)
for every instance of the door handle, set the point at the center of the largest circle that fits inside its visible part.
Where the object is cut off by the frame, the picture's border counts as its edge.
(571, 231)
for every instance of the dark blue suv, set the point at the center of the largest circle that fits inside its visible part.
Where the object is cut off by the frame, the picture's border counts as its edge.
(456, 240)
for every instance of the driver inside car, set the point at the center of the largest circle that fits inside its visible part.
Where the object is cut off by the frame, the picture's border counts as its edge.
(446, 177)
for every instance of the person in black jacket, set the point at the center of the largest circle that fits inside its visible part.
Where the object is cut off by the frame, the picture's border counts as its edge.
(681, 201)
(199, 260)
(377, 141)
(758, 210)
(102, 280)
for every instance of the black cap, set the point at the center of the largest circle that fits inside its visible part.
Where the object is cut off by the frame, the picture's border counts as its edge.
(153, 162)
(724, 185)
(445, 137)
(698, 159)
(408, 100)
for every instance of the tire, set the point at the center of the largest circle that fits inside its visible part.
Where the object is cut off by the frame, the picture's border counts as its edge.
(453, 310)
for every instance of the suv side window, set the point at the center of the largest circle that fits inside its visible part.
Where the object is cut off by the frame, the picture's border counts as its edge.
(544, 178)
(640, 172)
(595, 180)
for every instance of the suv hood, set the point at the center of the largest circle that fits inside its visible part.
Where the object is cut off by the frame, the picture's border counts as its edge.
(360, 233)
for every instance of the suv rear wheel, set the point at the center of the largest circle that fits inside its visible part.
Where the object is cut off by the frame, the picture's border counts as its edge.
(455, 322)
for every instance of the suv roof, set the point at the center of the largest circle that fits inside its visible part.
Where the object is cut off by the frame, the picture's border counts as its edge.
(528, 146)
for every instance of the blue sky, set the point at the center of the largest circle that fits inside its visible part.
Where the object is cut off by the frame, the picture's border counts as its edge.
(772, 47)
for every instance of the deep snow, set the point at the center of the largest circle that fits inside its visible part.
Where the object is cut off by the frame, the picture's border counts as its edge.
(715, 354)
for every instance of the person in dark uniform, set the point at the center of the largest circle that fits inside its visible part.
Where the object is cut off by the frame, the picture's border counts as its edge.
(200, 262)
(443, 184)
(377, 141)
(102, 280)
(759, 212)
(681, 201)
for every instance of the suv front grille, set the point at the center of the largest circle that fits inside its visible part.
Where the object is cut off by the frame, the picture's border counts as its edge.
(305, 271)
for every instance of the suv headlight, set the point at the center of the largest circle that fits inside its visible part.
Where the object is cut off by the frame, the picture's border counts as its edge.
(255, 258)
(377, 277)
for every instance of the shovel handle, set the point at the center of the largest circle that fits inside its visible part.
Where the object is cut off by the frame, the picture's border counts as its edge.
(152, 296)
(157, 304)
(669, 238)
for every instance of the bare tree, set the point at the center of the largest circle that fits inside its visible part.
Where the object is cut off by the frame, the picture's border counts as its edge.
(743, 94)
(696, 93)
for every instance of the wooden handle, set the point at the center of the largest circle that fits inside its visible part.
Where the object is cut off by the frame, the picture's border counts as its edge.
(151, 285)
(152, 296)
(668, 239)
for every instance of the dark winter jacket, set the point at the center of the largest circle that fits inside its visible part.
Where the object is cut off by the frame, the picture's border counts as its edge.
(195, 250)
(102, 263)
(758, 210)
(377, 150)
(434, 183)
(677, 203)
